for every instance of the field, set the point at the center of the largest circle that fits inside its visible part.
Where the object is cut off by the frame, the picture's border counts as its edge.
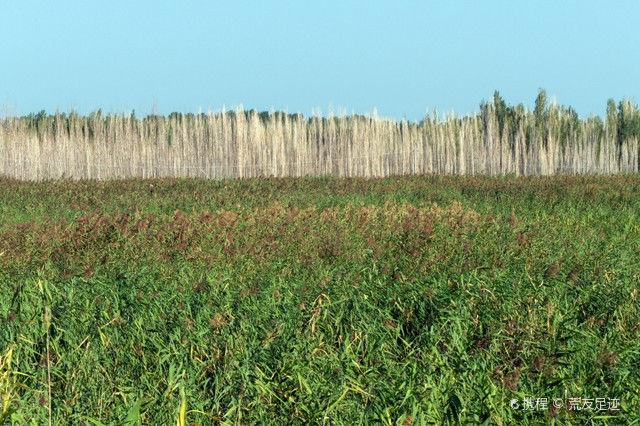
(405, 300)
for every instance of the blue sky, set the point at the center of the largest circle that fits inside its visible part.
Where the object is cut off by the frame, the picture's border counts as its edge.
(400, 57)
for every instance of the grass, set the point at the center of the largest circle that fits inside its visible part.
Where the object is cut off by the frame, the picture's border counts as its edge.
(407, 300)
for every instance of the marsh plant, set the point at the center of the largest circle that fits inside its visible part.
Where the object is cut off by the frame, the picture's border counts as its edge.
(499, 140)
(404, 300)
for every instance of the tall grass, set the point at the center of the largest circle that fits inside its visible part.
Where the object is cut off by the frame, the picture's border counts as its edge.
(405, 300)
(499, 140)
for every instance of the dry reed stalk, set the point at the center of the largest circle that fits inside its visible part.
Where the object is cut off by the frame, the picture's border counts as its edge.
(246, 144)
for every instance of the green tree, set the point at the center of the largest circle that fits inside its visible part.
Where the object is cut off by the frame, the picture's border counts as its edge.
(540, 114)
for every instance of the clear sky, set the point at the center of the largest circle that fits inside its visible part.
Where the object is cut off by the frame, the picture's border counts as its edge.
(398, 56)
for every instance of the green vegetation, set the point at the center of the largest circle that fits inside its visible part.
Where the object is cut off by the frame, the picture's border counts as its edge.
(405, 300)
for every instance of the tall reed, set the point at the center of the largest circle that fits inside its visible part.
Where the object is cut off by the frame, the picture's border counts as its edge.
(497, 140)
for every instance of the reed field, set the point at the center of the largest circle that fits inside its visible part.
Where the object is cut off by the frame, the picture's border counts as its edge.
(499, 140)
(323, 300)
